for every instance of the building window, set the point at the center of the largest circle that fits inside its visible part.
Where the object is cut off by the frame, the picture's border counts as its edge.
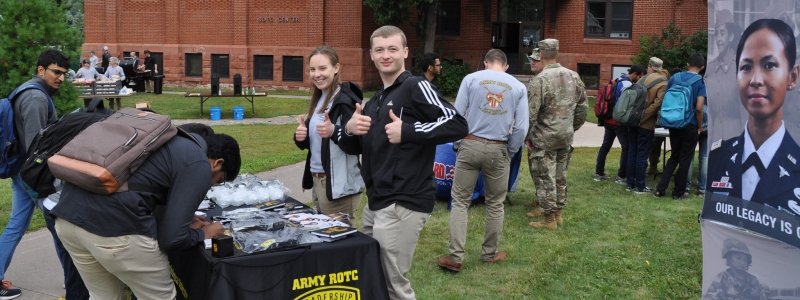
(618, 70)
(611, 19)
(746, 13)
(220, 65)
(590, 74)
(448, 20)
(293, 68)
(194, 64)
(520, 10)
(262, 67)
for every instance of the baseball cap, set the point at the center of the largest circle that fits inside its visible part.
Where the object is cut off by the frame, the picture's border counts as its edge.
(638, 69)
(656, 63)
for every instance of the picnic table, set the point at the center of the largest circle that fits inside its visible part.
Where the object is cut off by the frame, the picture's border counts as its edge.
(207, 96)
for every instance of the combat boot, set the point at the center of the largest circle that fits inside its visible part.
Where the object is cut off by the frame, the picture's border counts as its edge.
(559, 219)
(536, 212)
(549, 222)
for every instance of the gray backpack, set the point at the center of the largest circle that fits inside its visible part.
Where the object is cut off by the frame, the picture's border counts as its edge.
(630, 106)
(102, 157)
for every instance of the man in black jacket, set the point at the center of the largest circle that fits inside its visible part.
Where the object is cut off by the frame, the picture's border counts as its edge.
(400, 128)
(117, 240)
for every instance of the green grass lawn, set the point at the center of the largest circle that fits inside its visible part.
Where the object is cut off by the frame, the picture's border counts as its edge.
(613, 245)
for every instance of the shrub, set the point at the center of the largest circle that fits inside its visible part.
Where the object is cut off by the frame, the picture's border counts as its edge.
(450, 78)
(672, 46)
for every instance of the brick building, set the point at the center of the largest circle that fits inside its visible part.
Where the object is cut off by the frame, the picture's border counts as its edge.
(267, 41)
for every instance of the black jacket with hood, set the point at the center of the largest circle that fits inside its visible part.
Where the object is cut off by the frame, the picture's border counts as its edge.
(343, 179)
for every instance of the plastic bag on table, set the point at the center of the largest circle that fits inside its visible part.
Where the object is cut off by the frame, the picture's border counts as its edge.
(257, 224)
(255, 241)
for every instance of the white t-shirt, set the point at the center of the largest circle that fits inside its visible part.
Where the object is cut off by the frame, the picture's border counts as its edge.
(313, 135)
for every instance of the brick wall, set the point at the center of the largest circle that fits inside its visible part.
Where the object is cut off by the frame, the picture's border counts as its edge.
(241, 29)
(266, 27)
(649, 18)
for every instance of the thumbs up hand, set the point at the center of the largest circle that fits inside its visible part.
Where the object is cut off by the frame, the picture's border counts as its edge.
(301, 133)
(358, 124)
(394, 129)
(325, 129)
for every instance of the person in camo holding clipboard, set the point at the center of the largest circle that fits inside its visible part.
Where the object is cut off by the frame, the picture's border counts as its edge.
(333, 176)
(761, 164)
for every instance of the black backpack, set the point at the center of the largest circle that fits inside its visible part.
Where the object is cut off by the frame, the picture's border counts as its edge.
(34, 171)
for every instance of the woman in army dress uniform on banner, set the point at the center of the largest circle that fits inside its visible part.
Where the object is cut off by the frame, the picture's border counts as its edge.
(761, 164)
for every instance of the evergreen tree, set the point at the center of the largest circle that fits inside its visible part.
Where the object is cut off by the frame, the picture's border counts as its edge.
(26, 29)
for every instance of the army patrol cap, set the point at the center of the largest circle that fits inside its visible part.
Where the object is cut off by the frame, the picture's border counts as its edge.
(656, 63)
(548, 45)
(535, 55)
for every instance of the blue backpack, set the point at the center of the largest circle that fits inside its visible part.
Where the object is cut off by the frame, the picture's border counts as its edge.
(677, 110)
(11, 154)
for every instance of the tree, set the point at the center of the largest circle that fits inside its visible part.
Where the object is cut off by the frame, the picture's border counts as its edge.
(26, 29)
(397, 13)
(672, 47)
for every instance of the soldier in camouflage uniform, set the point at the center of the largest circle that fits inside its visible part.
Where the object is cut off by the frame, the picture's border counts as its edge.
(557, 101)
(735, 282)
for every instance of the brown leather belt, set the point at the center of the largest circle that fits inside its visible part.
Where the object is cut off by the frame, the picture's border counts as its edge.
(480, 139)
(319, 175)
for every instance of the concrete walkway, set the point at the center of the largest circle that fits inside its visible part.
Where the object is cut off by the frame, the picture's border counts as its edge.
(36, 270)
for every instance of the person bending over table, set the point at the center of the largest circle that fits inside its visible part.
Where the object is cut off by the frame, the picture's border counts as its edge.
(117, 240)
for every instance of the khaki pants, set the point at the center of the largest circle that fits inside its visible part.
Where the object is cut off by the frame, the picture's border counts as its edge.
(108, 264)
(397, 230)
(549, 173)
(346, 204)
(474, 157)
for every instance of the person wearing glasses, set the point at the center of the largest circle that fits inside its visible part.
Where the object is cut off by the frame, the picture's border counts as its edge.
(430, 65)
(33, 110)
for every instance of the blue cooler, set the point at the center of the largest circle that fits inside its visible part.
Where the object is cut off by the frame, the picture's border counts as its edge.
(238, 113)
(215, 112)
(444, 165)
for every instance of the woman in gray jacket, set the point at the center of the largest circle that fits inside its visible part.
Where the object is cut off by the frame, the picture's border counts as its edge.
(333, 176)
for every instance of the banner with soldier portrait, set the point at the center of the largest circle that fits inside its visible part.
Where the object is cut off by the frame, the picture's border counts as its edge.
(751, 215)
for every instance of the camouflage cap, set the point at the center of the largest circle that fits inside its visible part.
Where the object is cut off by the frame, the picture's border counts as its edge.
(548, 45)
(535, 55)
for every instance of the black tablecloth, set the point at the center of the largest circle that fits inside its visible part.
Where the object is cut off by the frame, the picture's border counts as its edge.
(345, 269)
